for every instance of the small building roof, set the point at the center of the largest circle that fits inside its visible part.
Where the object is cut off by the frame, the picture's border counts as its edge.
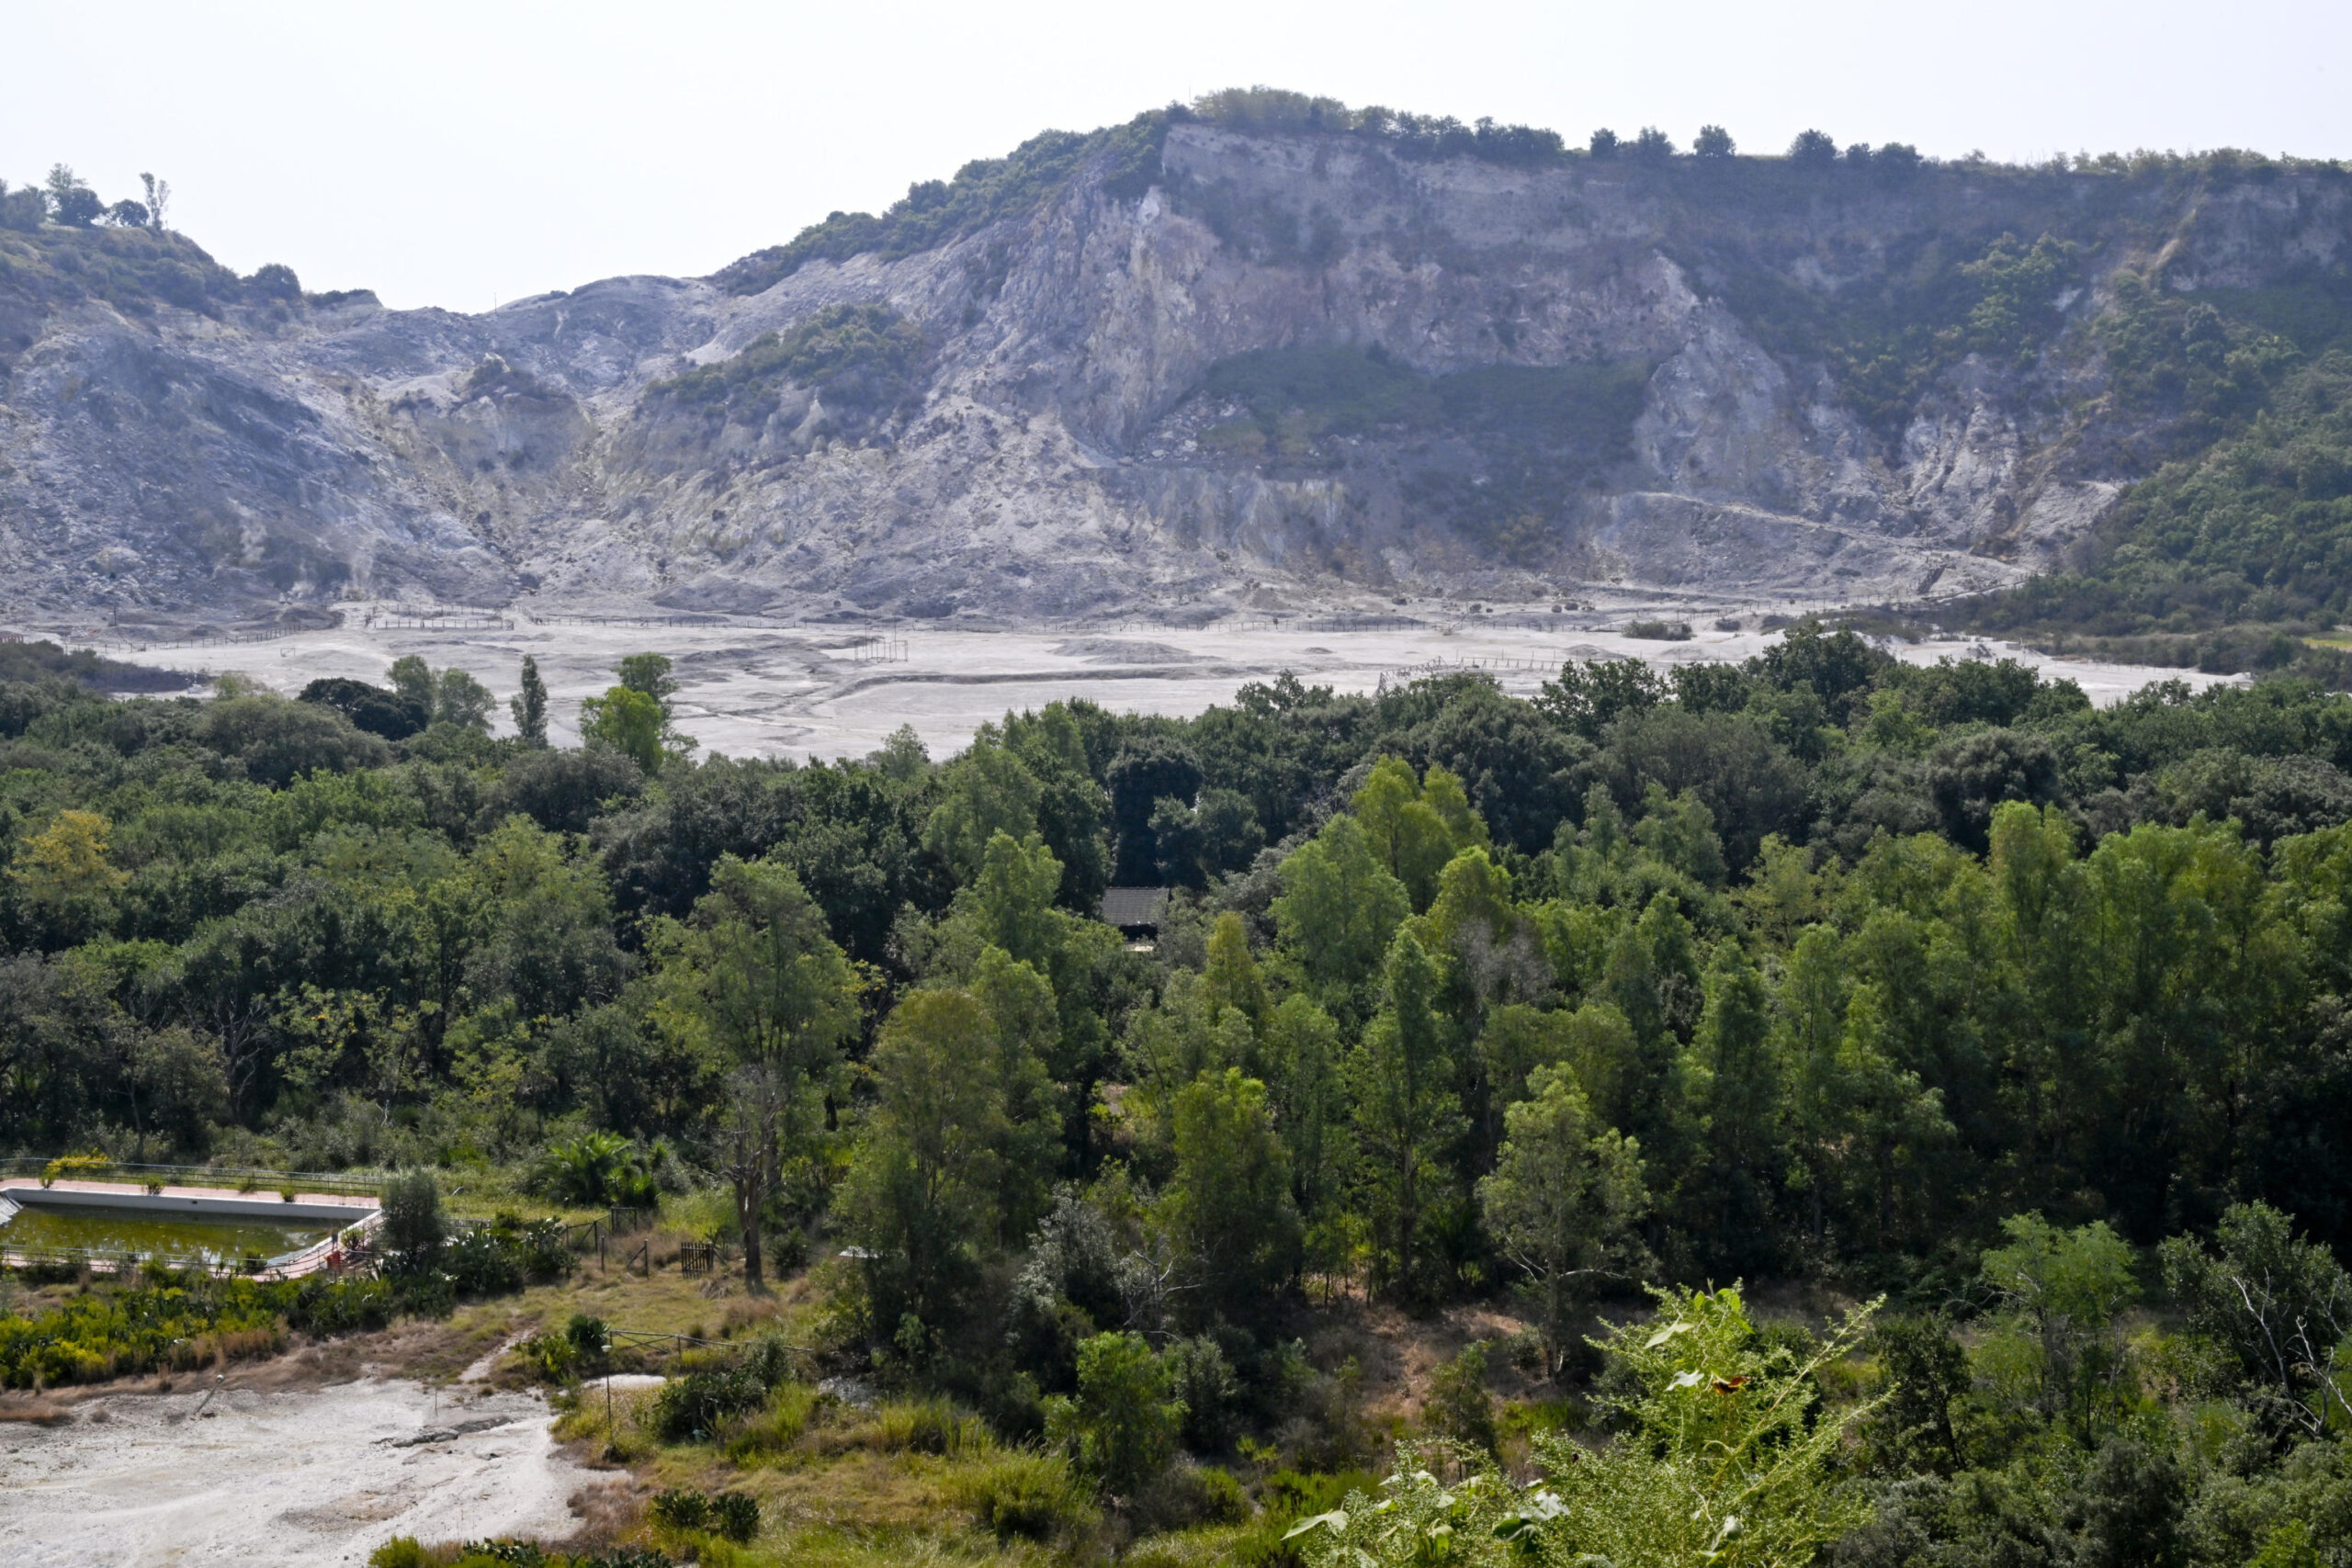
(1125, 906)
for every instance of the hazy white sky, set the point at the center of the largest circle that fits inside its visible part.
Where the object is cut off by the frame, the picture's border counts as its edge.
(453, 154)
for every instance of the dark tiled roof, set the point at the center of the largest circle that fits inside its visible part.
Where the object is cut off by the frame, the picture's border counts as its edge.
(1132, 905)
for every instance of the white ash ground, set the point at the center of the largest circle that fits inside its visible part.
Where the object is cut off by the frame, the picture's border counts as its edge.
(751, 691)
(300, 1478)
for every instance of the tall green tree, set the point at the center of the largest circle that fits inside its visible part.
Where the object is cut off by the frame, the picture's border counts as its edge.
(2062, 1294)
(1652, 975)
(1407, 1113)
(2278, 1302)
(989, 791)
(1011, 900)
(922, 1197)
(649, 674)
(1072, 809)
(530, 706)
(459, 699)
(1230, 1203)
(629, 722)
(1229, 976)
(1123, 1425)
(1563, 1201)
(1338, 908)
(634, 718)
(1896, 1133)
(1020, 1004)
(1304, 1064)
(1809, 1033)
(1416, 825)
(1731, 1119)
(754, 975)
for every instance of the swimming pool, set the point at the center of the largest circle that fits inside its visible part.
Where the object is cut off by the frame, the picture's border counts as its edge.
(215, 1231)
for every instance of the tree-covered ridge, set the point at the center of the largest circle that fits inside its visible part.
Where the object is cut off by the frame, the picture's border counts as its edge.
(984, 191)
(2252, 529)
(2270, 511)
(2069, 296)
(60, 244)
(1126, 159)
(2229, 556)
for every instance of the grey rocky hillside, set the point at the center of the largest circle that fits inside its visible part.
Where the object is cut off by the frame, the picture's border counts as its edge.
(1266, 353)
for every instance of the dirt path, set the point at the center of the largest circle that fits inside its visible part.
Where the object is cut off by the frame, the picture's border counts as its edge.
(293, 1478)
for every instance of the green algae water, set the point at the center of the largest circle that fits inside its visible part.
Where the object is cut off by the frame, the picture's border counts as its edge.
(39, 1227)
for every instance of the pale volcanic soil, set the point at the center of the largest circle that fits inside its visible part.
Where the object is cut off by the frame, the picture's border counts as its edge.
(298, 1477)
(753, 690)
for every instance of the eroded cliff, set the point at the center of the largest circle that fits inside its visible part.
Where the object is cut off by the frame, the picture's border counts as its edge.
(1200, 364)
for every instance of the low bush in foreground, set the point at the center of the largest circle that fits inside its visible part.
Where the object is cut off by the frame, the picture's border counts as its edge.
(172, 1321)
(1035, 1496)
(180, 1321)
(731, 1515)
(407, 1552)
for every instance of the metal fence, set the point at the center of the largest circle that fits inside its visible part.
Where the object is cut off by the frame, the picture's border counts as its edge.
(593, 1236)
(443, 623)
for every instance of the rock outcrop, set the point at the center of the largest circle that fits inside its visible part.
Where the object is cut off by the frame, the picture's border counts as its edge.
(1565, 373)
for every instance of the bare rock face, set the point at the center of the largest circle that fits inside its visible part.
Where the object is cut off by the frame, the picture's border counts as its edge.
(1530, 379)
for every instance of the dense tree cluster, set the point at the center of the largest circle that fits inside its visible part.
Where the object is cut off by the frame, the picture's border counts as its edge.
(1931, 981)
(66, 200)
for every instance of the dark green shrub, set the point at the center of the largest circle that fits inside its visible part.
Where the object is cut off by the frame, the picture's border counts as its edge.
(551, 1356)
(1458, 1406)
(590, 1341)
(505, 1255)
(732, 1514)
(372, 708)
(1035, 1496)
(769, 1360)
(342, 1306)
(695, 1407)
(602, 1170)
(735, 1516)
(1204, 1379)
(1660, 631)
(414, 1228)
(1187, 1496)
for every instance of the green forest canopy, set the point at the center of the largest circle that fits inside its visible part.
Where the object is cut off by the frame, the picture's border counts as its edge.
(1938, 983)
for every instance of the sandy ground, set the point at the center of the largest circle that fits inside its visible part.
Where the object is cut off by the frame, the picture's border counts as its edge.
(753, 691)
(297, 1477)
